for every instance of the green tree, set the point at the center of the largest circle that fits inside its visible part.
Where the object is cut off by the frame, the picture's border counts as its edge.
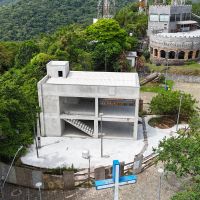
(181, 155)
(26, 51)
(107, 41)
(8, 51)
(38, 63)
(15, 109)
(27, 19)
(131, 21)
(167, 103)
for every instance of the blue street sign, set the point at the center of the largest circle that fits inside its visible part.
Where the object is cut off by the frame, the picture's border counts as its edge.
(116, 180)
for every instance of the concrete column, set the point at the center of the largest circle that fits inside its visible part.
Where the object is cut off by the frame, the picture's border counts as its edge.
(99, 173)
(69, 182)
(194, 54)
(186, 55)
(167, 54)
(159, 53)
(96, 131)
(176, 55)
(136, 119)
(137, 166)
(96, 107)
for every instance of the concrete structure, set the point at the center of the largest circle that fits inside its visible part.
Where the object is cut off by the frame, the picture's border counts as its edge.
(174, 37)
(71, 102)
(131, 57)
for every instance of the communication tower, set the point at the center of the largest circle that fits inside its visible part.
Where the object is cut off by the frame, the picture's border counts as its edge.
(106, 9)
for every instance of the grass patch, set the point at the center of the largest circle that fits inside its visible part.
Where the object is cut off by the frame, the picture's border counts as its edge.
(187, 69)
(157, 87)
(60, 170)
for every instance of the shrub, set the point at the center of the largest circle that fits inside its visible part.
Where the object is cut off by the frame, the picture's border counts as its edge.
(168, 102)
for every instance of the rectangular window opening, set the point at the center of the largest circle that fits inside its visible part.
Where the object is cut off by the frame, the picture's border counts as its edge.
(60, 74)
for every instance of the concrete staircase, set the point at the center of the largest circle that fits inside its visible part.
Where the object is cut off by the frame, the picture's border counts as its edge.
(81, 126)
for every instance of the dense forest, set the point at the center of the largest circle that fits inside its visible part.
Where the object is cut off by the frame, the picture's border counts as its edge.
(3, 2)
(27, 19)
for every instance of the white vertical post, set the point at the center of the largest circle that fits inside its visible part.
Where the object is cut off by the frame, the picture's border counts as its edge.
(20, 148)
(136, 119)
(96, 129)
(160, 171)
(116, 192)
(179, 110)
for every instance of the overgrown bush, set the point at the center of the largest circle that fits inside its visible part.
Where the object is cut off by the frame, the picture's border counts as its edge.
(168, 102)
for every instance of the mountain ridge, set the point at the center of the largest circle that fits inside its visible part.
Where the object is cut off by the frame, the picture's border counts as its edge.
(26, 19)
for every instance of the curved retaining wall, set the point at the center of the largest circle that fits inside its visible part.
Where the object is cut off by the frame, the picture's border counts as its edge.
(168, 47)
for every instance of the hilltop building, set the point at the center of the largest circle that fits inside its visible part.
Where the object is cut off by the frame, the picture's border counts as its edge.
(74, 103)
(174, 36)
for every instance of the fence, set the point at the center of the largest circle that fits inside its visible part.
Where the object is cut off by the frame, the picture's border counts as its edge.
(29, 177)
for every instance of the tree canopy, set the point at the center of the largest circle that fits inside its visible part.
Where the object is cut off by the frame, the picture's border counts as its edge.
(167, 103)
(26, 19)
(181, 155)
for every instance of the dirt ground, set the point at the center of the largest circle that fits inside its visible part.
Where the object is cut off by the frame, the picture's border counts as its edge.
(146, 188)
(192, 88)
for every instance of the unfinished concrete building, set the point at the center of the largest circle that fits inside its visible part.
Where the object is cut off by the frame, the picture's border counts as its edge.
(174, 36)
(74, 103)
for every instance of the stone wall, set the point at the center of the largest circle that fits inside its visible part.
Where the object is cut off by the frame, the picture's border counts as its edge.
(167, 50)
(29, 177)
(183, 78)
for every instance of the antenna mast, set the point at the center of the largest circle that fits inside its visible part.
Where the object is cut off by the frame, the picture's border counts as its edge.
(106, 8)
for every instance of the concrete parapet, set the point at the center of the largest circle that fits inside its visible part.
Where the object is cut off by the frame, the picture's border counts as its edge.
(99, 173)
(69, 182)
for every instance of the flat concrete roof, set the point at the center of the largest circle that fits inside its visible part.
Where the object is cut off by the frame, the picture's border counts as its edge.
(188, 34)
(98, 79)
(58, 63)
(187, 22)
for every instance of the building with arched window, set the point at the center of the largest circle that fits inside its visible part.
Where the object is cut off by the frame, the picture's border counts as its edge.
(174, 37)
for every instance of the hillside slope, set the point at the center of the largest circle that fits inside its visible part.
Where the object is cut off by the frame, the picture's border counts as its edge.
(26, 19)
(3, 2)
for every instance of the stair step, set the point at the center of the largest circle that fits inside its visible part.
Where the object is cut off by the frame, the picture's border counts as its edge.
(80, 125)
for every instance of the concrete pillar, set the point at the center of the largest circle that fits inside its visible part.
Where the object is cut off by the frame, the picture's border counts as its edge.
(122, 168)
(137, 165)
(96, 129)
(96, 107)
(69, 182)
(193, 54)
(186, 55)
(108, 172)
(159, 53)
(99, 173)
(136, 119)
(176, 55)
(141, 105)
(167, 54)
(96, 118)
